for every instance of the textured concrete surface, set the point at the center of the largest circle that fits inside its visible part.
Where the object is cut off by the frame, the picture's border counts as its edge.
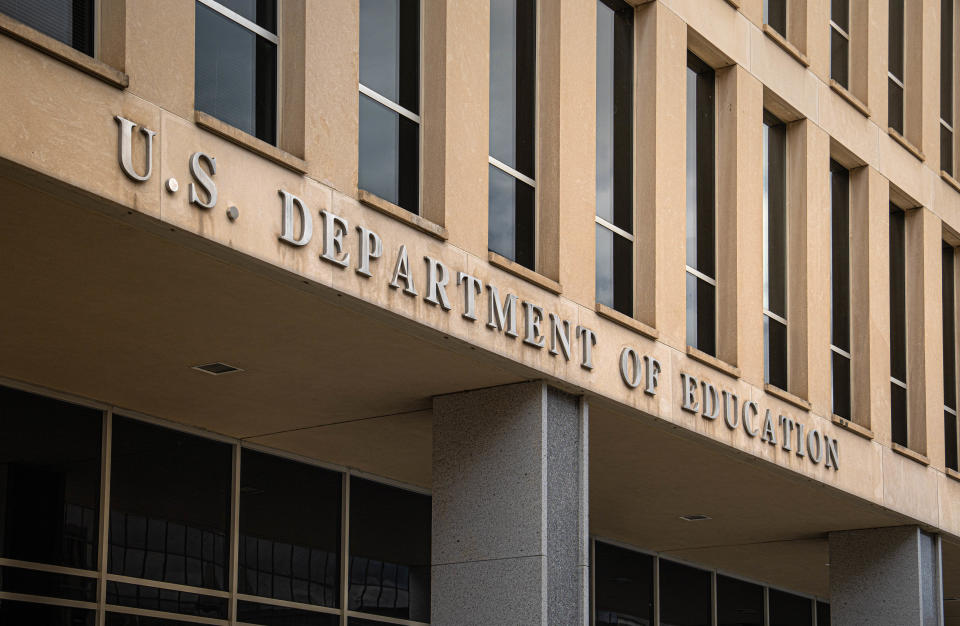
(509, 507)
(885, 576)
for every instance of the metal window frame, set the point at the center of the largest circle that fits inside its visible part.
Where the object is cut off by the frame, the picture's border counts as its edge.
(102, 576)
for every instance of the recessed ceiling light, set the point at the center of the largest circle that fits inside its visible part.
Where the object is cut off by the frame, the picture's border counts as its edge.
(695, 517)
(216, 369)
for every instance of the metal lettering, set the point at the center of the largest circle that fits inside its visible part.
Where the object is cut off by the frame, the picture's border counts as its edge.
(727, 411)
(833, 454)
(815, 438)
(125, 148)
(588, 339)
(801, 442)
(653, 375)
(629, 359)
(747, 424)
(334, 228)
(787, 425)
(559, 336)
(769, 432)
(437, 278)
(287, 222)
(532, 317)
(203, 179)
(401, 270)
(501, 316)
(371, 247)
(711, 402)
(471, 289)
(689, 388)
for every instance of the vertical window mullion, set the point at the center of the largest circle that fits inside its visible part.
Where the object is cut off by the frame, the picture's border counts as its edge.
(615, 253)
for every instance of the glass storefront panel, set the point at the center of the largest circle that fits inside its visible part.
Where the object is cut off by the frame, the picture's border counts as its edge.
(684, 595)
(787, 609)
(623, 582)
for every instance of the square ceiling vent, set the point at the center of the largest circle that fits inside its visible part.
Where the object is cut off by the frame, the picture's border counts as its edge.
(217, 369)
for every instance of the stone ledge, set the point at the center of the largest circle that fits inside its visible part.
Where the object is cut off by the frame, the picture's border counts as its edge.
(952, 473)
(714, 362)
(62, 52)
(248, 141)
(910, 454)
(734, 3)
(847, 95)
(626, 321)
(400, 214)
(524, 272)
(786, 396)
(853, 427)
(950, 180)
(905, 143)
(785, 45)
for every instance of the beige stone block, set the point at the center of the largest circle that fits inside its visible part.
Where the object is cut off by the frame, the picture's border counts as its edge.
(910, 488)
(848, 126)
(949, 497)
(160, 53)
(726, 30)
(903, 170)
(780, 73)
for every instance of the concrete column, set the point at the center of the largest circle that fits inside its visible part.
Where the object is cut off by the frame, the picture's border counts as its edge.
(510, 507)
(885, 576)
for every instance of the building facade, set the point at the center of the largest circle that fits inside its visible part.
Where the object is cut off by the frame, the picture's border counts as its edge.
(370, 312)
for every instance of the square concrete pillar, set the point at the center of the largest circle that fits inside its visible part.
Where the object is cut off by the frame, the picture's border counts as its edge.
(510, 507)
(885, 576)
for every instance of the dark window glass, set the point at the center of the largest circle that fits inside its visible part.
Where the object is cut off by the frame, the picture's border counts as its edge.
(775, 215)
(37, 583)
(68, 21)
(389, 551)
(512, 210)
(236, 74)
(739, 603)
(840, 13)
(166, 600)
(49, 480)
(946, 60)
(272, 615)
(123, 619)
(949, 326)
(775, 14)
(390, 67)
(839, 57)
(898, 325)
(701, 304)
(513, 37)
(511, 217)
(261, 12)
(775, 352)
(289, 530)
(823, 614)
(169, 505)
(896, 46)
(614, 270)
(700, 173)
(775, 250)
(684, 595)
(950, 436)
(946, 149)
(623, 586)
(24, 613)
(840, 371)
(787, 609)
(840, 255)
(615, 154)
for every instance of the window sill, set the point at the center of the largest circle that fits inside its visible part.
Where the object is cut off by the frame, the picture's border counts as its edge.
(905, 143)
(734, 3)
(786, 396)
(248, 141)
(714, 362)
(952, 473)
(523, 272)
(398, 213)
(853, 427)
(626, 321)
(787, 47)
(61, 51)
(851, 99)
(910, 454)
(950, 180)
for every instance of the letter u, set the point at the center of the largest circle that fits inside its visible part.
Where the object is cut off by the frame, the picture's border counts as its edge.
(125, 148)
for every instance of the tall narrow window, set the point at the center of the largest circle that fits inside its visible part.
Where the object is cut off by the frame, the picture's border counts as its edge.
(947, 64)
(898, 327)
(390, 101)
(701, 210)
(949, 357)
(512, 188)
(895, 71)
(840, 288)
(775, 14)
(614, 217)
(236, 64)
(68, 21)
(840, 42)
(775, 251)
